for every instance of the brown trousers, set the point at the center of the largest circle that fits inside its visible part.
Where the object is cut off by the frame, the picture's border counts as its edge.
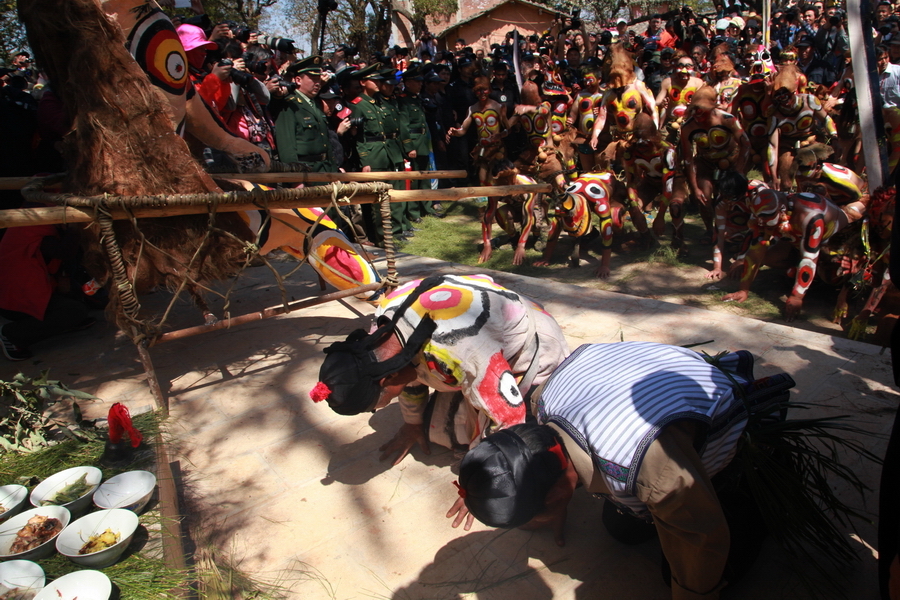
(692, 528)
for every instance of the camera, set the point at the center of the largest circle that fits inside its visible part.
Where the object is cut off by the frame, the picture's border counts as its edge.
(258, 67)
(241, 33)
(241, 78)
(327, 5)
(277, 43)
(290, 86)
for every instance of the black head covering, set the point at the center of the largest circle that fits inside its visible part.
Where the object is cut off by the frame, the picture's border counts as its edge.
(504, 482)
(350, 377)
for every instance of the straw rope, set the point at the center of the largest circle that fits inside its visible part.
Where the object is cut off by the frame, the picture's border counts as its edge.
(130, 321)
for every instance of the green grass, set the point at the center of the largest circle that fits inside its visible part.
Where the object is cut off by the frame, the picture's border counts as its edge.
(141, 574)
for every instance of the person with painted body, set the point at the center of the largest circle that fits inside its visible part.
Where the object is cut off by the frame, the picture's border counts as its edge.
(805, 221)
(625, 97)
(794, 119)
(676, 94)
(751, 103)
(589, 194)
(582, 116)
(724, 79)
(524, 209)
(712, 141)
(534, 117)
(677, 420)
(841, 185)
(735, 194)
(301, 128)
(481, 347)
(489, 118)
(151, 38)
(651, 174)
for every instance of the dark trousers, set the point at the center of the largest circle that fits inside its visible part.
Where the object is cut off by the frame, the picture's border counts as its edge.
(63, 314)
(421, 208)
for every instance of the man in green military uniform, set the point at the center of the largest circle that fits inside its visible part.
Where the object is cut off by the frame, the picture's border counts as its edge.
(415, 138)
(301, 128)
(374, 129)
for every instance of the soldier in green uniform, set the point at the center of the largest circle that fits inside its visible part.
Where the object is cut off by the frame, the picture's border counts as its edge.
(387, 101)
(415, 138)
(301, 128)
(372, 148)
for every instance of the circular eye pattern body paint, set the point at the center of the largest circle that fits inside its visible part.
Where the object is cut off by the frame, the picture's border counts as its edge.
(156, 47)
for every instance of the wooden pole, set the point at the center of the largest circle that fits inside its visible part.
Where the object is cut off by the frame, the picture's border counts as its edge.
(265, 313)
(17, 183)
(341, 177)
(52, 215)
(159, 396)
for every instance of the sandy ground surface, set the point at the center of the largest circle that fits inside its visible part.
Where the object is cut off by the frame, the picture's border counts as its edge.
(295, 493)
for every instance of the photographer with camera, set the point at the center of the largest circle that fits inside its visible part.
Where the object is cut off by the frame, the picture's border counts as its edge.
(301, 128)
(244, 108)
(832, 41)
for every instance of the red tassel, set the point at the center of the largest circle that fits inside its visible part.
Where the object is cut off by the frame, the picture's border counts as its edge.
(558, 451)
(320, 392)
(119, 420)
(460, 489)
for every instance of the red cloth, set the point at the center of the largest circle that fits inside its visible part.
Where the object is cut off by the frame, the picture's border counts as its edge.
(215, 91)
(667, 40)
(26, 281)
(119, 420)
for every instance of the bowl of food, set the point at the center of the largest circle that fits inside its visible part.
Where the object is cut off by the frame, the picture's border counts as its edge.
(72, 489)
(30, 534)
(130, 490)
(12, 500)
(83, 585)
(98, 539)
(20, 579)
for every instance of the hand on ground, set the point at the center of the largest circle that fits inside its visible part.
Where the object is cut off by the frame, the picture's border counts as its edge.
(461, 513)
(739, 296)
(792, 308)
(519, 256)
(407, 436)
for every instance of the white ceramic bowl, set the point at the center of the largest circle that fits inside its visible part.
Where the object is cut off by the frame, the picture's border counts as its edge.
(48, 488)
(12, 498)
(130, 490)
(9, 529)
(25, 575)
(75, 536)
(84, 585)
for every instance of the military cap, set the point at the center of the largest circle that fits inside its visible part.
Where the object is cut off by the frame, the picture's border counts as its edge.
(414, 72)
(311, 65)
(368, 72)
(389, 75)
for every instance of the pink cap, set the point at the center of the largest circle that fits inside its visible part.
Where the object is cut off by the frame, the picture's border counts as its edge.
(193, 37)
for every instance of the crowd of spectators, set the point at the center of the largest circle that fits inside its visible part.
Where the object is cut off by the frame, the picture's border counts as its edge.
(426, 107)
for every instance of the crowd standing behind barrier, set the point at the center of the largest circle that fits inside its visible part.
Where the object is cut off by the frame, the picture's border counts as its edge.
(712, 101)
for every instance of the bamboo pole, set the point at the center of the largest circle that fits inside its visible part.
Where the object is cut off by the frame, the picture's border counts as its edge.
(17, 183)
(52, 215)
(265, 313)
(340, 177)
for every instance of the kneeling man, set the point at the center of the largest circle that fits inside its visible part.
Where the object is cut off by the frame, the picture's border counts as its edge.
(482, 347)
(645, 426)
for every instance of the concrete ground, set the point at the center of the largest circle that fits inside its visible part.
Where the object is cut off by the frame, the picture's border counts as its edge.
(296, 494)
